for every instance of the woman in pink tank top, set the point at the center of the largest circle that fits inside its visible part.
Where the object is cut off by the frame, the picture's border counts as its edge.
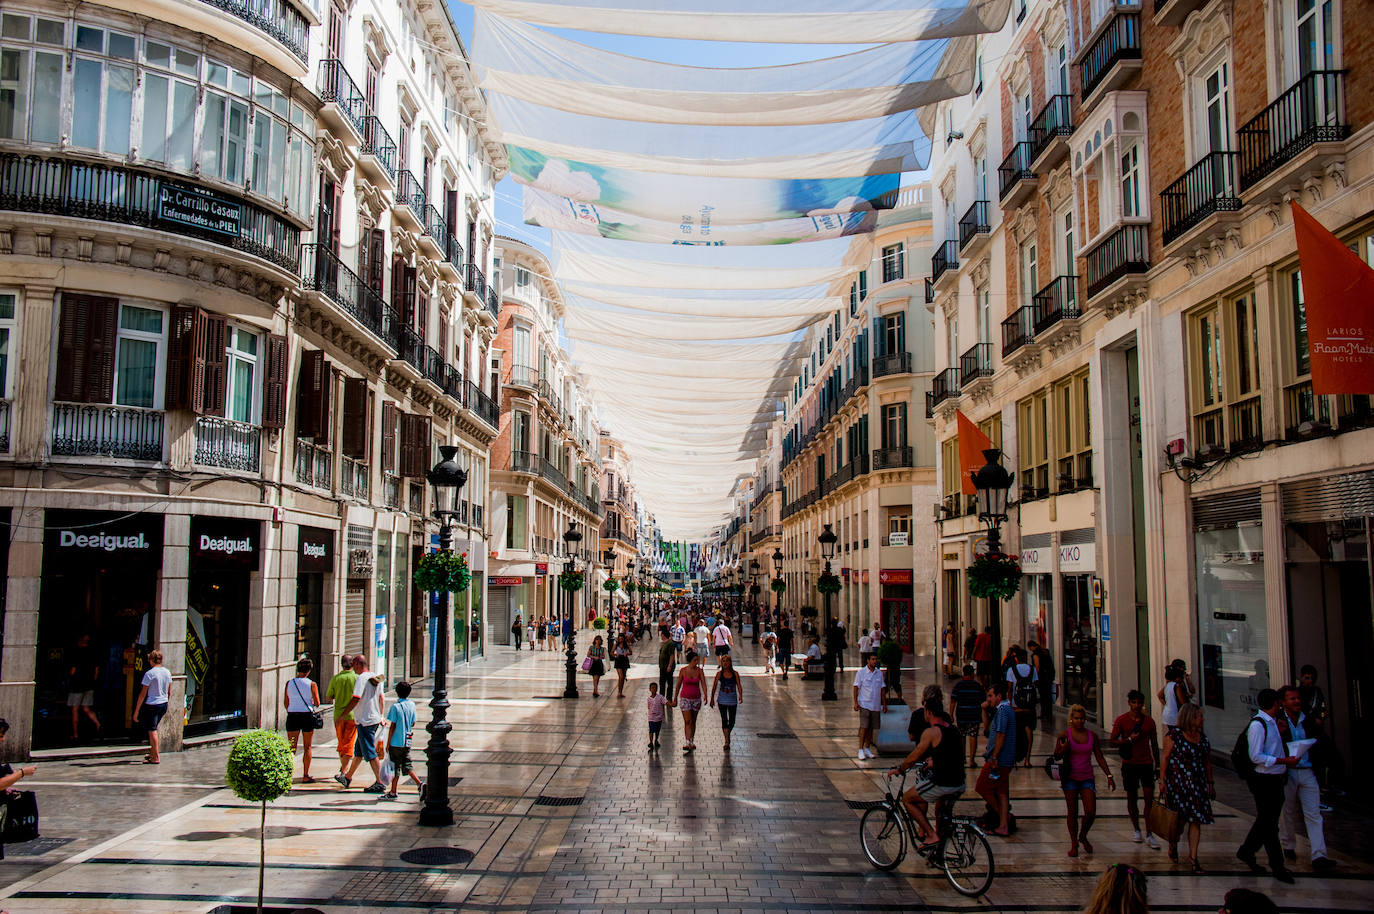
(691, 689)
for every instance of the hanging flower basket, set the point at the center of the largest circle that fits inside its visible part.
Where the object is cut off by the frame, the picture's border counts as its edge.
(828, 583)
(994, 575)
(630, 587)
(571, 581)
(808, 612)
(755, 590)
(440, 572)
(778, 586)
(611, 585)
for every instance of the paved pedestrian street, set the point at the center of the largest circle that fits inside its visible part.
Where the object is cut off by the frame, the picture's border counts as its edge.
(561, 808)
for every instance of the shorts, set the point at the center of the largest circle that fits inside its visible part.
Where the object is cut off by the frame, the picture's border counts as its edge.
(689, 704)
(81, 699)
(300, 722)
(365, 746)
(870, 720)
(345, 731)
(1136, 776)
(994, 778)
(935, 792)
(400, 759)
(722, 650)
(149, 716)
(1085, 784)
(622, 663)
(655, 726)
(970, 728)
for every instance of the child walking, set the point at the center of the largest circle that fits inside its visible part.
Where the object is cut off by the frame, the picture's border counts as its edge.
(657, 703)
(401, 716)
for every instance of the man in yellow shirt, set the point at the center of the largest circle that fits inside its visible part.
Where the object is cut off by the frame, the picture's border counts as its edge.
(340, 692)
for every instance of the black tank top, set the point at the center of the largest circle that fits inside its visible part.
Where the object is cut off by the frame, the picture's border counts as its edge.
(948, 759)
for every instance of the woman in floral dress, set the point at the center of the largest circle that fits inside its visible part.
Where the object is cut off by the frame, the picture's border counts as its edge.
(1185, 781)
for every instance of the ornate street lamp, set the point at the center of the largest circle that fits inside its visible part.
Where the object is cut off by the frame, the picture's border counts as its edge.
(777, 575)
(570, 539)
(629, 575)
(754, 596)
(993, 481)
(827, 539)
(608, 559)
(447, 477)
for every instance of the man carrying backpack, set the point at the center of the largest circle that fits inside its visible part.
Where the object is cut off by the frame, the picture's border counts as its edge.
(1025, 695)
(1259, 757)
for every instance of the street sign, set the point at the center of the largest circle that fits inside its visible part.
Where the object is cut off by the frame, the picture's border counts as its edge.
(1106, 627)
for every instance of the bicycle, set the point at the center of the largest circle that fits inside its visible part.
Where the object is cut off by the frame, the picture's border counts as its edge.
(962, 852)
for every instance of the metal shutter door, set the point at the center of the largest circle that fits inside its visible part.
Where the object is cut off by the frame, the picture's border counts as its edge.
(355, 608)
(498, 614)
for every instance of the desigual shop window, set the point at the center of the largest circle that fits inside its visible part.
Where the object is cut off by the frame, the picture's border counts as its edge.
(149, 100)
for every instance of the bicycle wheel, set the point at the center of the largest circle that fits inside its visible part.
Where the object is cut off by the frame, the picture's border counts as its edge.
(883, 837)
(967, 860)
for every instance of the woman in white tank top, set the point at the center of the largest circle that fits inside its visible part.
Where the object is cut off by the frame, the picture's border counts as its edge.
(1169, 695)
(302, 697)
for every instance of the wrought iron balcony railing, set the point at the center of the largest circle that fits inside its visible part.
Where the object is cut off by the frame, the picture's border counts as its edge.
(1058, 301)
(1311, 111)
(1127, 250)
(1015, 168)
(975, 363)
(93, 430)
(277, 18)
(1054, 121)
(337, 88)
(974, 223)
(1018, 330)
(378, 144)
(1208, 187)
(946, 257)
(892, 363)
(322, 271)
(887, 458)
(228, 444)
(1119, 41)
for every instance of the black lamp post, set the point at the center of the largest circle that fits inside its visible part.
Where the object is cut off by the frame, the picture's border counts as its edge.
(447, 477)
(993, 481)
(571, 538)
(777, 573)
(632, 601)
(827, 539)
(753, 597)
(608, 559)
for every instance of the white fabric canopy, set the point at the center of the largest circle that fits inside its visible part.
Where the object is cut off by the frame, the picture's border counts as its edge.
(813, 300)
(519, 61)
(777, 21)
(587, 323)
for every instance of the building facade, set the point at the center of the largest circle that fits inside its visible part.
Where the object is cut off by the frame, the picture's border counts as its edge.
(852, 451)
(1180, 492)
(546, 460)
(243, 324)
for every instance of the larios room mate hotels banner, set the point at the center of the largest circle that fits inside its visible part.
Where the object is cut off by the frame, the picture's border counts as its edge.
(1338, 295)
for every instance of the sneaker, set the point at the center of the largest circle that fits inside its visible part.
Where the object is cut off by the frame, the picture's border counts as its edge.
(375, 788)
(1136, 836)
(342, 780)
(1151, 842)
(424, 790)
(1322, 864)
(387, 796)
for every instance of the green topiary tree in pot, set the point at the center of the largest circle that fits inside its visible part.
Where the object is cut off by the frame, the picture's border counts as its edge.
(259, 771)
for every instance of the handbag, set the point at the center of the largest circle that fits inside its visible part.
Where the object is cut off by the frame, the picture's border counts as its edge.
(315, 713)
(19, 821)
(1057, 768)
(1163, 821)
(587, 665)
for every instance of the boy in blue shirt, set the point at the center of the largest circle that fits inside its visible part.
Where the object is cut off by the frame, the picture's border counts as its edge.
(401, 717)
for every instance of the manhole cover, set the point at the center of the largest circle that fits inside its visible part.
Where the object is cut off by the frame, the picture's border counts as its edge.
(776, 735)
(557, 801)
(36, 848)
(437, 856)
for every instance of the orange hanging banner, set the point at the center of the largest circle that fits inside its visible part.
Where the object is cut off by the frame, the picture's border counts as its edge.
(972, 444)
(1338, 293)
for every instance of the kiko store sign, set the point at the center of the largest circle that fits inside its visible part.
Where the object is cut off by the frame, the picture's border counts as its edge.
(221, 542)
(102, 536)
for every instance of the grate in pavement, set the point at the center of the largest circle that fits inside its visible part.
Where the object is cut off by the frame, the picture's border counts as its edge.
(863, 804)
(776, 735)
(36, 848)
(394, 888)
(437, 856)
(542, 800)
(481, 806)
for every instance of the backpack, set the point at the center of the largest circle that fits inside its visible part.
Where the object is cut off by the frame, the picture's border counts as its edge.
(1240, 754)
(1023, 693)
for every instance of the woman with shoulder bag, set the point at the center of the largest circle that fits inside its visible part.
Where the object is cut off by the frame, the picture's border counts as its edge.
(1185, 779)
(621, 657)
(1079, 747)
(597, 655)
(302, 702)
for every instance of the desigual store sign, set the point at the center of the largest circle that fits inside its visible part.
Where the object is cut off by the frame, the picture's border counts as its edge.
(220, 542)
(104, 535)
(315, 550)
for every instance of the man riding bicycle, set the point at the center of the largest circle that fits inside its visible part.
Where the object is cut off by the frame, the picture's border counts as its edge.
(941, 746)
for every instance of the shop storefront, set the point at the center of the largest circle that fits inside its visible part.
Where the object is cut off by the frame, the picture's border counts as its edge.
(96, 615)
(895, 606)
(510, 596)
(1082, 671)
(224, 555)
(1037, 588)
(314, 564)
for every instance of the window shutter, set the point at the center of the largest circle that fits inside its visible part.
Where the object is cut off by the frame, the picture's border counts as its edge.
(879, 338)
(422, 313)
(415, 445)
(388, 436)
(407, 309)
(398, 270)
(356, 428)
(309, 395)
(407, 443)
(274, 382)
(443, 337)
(181, 358)
(216, 364)
(87, 331)
(376, 260)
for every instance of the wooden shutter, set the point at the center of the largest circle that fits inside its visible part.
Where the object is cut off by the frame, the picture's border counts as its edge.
(214, 343)
(415, 445)
(406, 442)
(443, 338)
(183, 349)
(274, 382)
(87, 331)
(398, 271)
(312, 403)
(388, 436)
(376, 260)
(357, 431)
(422, 312)
(407, 310)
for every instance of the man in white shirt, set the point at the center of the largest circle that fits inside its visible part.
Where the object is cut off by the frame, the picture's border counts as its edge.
(703, 633)
(366, 705)
(721, 636)
(1271, 762)
(870, 701)
(865, 646)
(678, 634)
